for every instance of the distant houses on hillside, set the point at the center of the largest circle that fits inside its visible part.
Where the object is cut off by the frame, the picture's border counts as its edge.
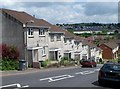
(91, 28)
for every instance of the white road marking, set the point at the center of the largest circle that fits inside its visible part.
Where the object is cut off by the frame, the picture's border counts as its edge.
(82, 72)
(25, 86)
(90, 72)
(87, 72)
(61, 78)
(57, 78)
(52, 77)
(18, 85)
(22, 87)
(97, 69)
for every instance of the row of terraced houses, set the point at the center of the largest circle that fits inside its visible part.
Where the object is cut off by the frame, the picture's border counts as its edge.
(38, 40)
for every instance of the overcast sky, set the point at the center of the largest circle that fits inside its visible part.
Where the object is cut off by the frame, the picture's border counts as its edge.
(67, 11)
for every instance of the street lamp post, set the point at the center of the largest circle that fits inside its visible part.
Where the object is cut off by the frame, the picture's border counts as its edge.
(26, 54)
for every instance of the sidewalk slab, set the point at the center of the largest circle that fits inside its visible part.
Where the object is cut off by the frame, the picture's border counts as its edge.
(33, 70)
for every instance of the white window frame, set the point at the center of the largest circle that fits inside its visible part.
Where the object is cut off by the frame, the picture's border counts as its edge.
(58, 37)
(52, 38)
(65, 41)
(30, 32)
(70, 41)
(41, 32)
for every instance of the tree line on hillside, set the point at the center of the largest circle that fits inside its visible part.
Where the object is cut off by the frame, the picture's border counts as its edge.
(109, 26)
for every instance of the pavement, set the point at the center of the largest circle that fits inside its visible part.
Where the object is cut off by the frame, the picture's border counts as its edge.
(33, 70)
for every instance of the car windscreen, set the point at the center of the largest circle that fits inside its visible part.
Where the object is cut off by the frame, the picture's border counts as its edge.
(111, 67)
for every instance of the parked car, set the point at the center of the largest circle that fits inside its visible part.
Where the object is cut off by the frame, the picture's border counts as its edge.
(88, 63)
(109, 73)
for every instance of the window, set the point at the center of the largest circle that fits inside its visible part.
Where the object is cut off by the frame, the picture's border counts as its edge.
(30, 31)
(58, 37)
(77, 43)
(52, 38)
(83, 46)
(41, 32)
(43, 51)
(70, 41)
(65, 41)
(111, 67)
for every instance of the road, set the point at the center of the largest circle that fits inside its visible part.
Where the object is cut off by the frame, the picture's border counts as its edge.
(74, 77)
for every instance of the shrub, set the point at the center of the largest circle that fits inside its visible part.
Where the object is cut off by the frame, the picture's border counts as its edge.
(29, 65)
(9, 52)
(8, 64)
(65, 61)
(53, 65)
(44, 64)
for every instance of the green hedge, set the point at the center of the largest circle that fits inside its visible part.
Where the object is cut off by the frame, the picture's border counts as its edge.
(7, 64)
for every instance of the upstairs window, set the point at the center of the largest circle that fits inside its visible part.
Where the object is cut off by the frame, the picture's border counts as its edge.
(58, 37)
(52, 38)
(30, 31)
(70, 41)
(65, 41)
(77, 43)
(41, 32)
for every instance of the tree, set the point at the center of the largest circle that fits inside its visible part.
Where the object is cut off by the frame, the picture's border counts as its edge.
(104, 32)
(116, 32)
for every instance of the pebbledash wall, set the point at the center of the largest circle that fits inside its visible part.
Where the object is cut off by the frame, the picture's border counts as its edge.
(0, 30)
(0, 27)
(37, 40)
(12, 33)
(69, 45)
(56, 44)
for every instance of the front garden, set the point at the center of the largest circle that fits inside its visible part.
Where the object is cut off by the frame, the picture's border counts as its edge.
(9, 57)
(63, 62)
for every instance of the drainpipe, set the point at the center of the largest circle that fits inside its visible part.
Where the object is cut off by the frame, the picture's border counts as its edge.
(26, 54)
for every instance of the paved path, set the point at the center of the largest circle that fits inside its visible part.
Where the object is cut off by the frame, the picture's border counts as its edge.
(33, 70)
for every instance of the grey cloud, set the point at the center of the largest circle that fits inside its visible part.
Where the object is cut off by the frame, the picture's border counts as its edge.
(44, 4)
(65, 12)
(101, 8)
(37, 4)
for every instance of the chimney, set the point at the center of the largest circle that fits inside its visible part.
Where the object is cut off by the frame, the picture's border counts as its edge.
(34, 16)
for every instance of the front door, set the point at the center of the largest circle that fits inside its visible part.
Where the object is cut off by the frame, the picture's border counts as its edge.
(56, 55)
(69, 55)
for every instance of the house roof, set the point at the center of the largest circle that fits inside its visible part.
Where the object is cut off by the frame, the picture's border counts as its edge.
(41, 22)
(91, 45)
(91, 38)
(111, 45)
(77, 38)
(24, 17)
(68, 34)
(56, 29)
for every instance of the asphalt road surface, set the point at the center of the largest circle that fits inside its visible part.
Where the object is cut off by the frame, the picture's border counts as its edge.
(74, 77)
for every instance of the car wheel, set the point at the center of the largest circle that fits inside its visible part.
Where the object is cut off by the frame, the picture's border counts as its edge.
(100, 83)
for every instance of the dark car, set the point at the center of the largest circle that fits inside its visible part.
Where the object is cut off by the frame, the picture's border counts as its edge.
(88, 63)
(109, 73)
